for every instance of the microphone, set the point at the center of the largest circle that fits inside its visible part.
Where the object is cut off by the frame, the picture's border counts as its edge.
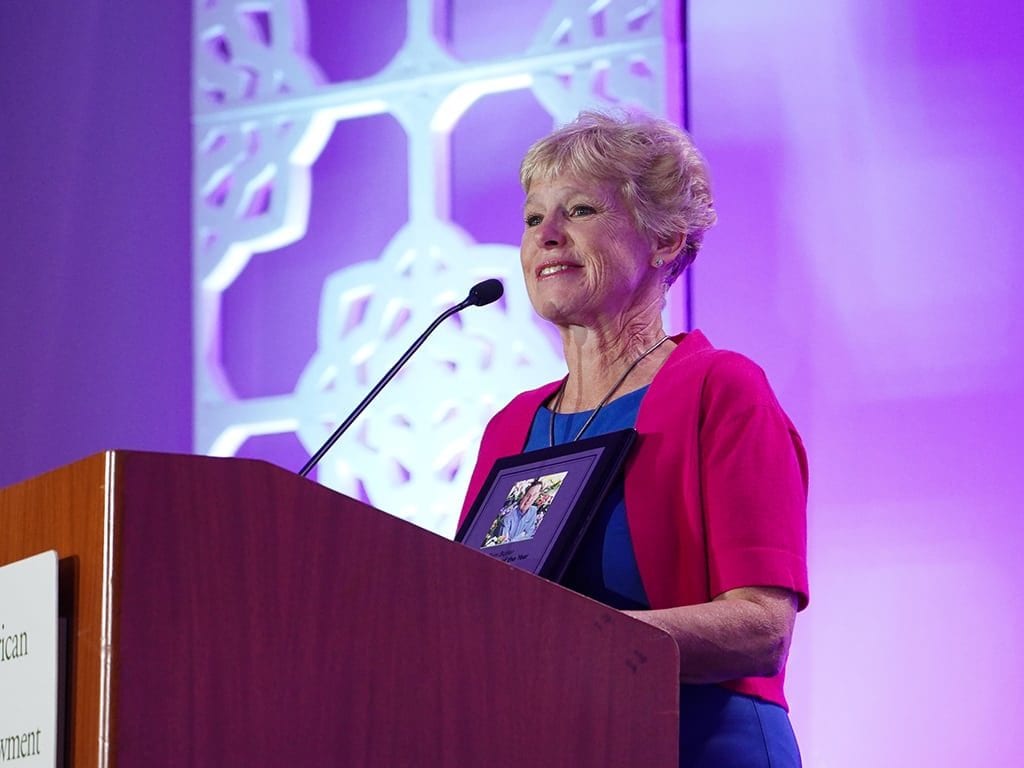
(481, 294)
(487, 292)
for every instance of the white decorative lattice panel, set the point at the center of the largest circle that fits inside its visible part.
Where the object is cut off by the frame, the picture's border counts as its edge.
(271, 112)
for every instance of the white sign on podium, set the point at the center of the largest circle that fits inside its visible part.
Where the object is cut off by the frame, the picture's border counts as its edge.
(28, 661)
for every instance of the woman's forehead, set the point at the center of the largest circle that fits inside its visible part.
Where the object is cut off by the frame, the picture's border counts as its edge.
(567, 184)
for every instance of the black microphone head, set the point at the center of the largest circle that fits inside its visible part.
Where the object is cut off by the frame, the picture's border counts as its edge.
(485, 292)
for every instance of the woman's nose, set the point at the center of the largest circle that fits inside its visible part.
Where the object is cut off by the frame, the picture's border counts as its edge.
(551, 233)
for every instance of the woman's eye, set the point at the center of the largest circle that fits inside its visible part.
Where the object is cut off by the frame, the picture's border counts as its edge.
(533, 219)
(582, 210)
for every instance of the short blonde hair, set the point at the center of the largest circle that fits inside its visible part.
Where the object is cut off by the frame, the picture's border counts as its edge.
(661, 176)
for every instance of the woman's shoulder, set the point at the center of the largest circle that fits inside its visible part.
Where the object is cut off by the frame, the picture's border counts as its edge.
(527, 402)
(507, 429)
(715, 373)
(695, 355)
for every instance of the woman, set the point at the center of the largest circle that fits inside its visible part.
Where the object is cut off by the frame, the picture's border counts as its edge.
(706, 535)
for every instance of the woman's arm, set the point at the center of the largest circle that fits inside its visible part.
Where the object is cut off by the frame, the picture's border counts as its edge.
(744, 632)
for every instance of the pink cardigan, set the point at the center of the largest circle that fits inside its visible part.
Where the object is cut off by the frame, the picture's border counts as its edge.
(716, 486)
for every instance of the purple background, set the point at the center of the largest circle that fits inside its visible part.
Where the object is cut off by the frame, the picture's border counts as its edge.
(868, 160)
(95, 164)
(869, 167)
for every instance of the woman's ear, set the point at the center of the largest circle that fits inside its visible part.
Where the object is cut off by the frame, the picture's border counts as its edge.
(667, 249)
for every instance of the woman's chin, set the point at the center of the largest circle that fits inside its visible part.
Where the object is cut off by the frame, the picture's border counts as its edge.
(557, 306)
(554, 311)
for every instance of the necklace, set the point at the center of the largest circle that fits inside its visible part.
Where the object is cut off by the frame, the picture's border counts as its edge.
(561, 392)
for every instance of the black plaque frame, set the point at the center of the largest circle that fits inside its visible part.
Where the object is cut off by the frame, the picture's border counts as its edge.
(589, 467)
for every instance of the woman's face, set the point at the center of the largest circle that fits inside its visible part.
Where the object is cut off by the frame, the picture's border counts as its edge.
(583, 259)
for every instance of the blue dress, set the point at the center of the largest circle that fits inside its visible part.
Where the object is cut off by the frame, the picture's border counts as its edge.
(718, 728)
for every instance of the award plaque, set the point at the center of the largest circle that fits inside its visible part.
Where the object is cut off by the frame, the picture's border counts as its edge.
(534, 508)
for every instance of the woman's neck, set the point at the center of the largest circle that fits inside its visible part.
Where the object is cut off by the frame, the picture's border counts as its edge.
(598, 357)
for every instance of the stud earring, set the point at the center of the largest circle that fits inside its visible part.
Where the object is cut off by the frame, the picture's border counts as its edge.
(659, 262)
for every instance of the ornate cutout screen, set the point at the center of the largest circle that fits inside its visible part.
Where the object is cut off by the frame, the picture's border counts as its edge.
(355, 172)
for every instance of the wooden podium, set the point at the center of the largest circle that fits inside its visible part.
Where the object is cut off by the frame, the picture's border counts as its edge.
(224, 612)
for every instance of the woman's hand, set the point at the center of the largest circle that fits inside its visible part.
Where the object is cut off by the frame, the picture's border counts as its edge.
(744, 632)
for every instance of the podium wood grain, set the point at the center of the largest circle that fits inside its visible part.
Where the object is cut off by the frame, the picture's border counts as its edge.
(257, 618)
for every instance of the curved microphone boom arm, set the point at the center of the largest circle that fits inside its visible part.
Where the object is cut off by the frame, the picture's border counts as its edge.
(481, 294)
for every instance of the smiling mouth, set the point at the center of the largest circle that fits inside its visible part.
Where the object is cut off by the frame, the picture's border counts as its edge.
(553, 269)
